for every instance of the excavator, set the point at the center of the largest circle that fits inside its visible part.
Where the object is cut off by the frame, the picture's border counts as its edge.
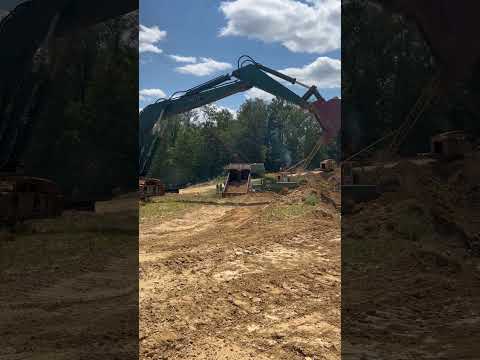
(248, 74)
(26, 33)
(447, 28)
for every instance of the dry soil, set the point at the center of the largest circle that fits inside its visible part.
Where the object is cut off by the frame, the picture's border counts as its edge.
(222, 281)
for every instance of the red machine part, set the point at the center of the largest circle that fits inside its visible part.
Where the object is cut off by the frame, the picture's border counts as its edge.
(329, 115)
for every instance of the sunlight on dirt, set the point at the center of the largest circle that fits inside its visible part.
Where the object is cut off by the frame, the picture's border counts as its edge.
(241, 282)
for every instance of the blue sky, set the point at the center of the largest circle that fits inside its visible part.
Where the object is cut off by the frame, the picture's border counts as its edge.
(300, 37)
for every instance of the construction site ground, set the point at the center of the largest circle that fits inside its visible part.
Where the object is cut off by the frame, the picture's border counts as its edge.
(248, 277)
(411, 266)
(69, 286)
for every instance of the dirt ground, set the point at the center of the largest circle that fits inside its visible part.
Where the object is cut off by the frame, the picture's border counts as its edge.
(221, 280)
(199, 189)
(68, 286)
(411, 267)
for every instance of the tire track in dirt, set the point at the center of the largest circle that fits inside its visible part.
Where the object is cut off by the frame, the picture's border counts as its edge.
(211, 290)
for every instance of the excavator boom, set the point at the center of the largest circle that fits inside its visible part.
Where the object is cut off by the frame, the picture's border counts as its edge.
(244, 78)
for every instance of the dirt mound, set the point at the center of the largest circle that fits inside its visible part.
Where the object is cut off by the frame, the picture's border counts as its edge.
(319, 187)
(404, 254)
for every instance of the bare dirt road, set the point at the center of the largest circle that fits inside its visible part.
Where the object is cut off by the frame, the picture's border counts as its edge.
(240, 282)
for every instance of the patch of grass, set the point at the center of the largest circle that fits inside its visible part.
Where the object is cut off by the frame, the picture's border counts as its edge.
(311, 199)
(283, 212)
(165, 209)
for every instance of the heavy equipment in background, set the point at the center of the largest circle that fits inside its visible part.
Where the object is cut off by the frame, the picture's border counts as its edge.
(238, 179)
(447, 28)
(328, 165)
(25, 37)
(150, 187)
(26, 197)
(248, 74)
(242, 178)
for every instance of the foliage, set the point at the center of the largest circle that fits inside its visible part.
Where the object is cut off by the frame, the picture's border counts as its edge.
(84, 138)
(277, 134)
(387, 66)
(311, 199)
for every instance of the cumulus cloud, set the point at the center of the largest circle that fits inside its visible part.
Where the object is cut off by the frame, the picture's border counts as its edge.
(312, 27)
(148, 37)
(255, 93)
(230, 110)
(200, 115)
(183, 59)
(205, 66)
(324, 73)
(151, 94)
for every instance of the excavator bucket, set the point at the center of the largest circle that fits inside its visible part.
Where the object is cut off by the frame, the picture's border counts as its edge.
(328, 114)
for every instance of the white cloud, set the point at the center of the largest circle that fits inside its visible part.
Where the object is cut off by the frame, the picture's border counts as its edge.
(200, 116)
(312, 27)
(255, 93)
(230, 110)
(324, 73)
(149, 48)
(151, 94)
(206, 66)
(184, 59)
(148, 38)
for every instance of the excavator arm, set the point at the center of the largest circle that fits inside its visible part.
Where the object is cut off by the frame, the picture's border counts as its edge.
(248, 74)
(150, 117)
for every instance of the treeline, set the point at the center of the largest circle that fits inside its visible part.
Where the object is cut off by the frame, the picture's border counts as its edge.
(387, 64)
(196, 147)
(85, 129)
